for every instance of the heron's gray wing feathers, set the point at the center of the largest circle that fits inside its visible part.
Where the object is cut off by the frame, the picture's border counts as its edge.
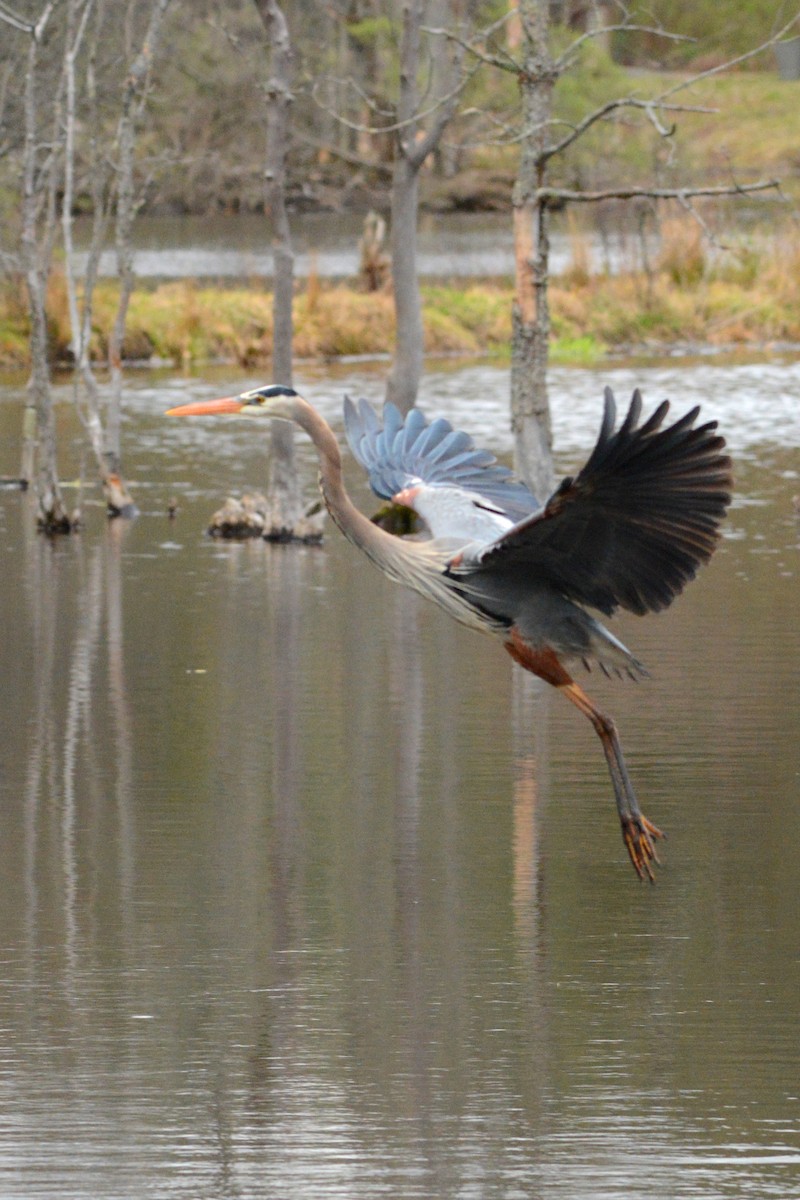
(634, 525)
(397, 452)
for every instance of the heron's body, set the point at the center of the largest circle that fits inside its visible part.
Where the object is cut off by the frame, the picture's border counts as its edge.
(456, 514)
(630, 530)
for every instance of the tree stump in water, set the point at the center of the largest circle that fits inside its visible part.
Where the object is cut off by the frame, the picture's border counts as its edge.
(374, 262)
(252, 516)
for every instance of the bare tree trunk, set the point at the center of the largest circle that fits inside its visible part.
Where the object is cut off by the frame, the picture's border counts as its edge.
(530, 411)
(404, 378)
(440, 13)
(87, 392)
(412, 147)
(284, 505)
(51, 512)
(118, 499)
(283, 488)
(71, 48)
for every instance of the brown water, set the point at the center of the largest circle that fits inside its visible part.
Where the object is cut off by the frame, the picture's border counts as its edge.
(308, 892)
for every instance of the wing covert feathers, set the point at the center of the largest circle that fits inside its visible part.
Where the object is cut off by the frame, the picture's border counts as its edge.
(632, 528)
(398, 451)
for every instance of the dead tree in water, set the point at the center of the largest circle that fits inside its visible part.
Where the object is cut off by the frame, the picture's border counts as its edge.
(530, 409)
(284, 516)
(411, 127)
(111, 178)
(413, 145)
(39, 460)
(134, 96)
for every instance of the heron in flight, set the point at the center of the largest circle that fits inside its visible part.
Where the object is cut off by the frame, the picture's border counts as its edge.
(628, 531)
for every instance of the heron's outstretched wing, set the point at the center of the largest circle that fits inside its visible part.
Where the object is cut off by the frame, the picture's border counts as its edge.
(397, 452)
(634, 525)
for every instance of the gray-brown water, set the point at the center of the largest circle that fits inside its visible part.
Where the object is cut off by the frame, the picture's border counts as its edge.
(307, 892)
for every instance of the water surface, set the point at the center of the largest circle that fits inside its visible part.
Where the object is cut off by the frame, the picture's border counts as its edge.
(450, 245)
(308, 892)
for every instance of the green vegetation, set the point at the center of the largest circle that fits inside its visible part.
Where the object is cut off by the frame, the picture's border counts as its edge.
(715, 33)
(750, 131)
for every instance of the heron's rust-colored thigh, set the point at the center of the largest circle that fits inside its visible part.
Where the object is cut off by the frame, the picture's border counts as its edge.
(543, 661)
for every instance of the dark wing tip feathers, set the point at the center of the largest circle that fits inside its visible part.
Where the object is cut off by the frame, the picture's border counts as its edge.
(667, 489)
(632, 528)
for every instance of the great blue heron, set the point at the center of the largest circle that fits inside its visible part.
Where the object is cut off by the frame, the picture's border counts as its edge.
(630, 530)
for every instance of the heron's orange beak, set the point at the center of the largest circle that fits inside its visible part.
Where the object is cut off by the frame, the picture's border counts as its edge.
(207, 408)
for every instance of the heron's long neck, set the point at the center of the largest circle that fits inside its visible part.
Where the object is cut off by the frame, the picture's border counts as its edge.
(418, 565)
(354, 525)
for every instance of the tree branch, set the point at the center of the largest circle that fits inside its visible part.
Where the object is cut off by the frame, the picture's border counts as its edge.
(354, 160)
(503, 60)
(563, 61)
(649, 107)
(39, 27)
(395, 126)
(571, 196)
(16, 22)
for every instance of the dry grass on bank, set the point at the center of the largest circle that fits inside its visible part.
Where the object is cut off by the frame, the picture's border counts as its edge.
(750, 295)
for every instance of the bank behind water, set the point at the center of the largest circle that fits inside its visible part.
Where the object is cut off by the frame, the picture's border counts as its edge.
(748, 296)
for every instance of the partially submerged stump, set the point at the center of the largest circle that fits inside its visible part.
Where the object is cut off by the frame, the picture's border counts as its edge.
(117, 497)
(374, 263)
(253, 516)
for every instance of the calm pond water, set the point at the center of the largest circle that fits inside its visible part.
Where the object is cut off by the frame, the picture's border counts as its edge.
(308, 892)
(450, 245)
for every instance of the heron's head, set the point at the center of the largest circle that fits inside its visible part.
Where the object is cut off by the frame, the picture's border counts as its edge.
(274, 400)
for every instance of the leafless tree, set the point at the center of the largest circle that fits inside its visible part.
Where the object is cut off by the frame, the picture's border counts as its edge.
(415, 139)
(430, 84)
(110, 175)
(530, 411)
(134, 97)
(39, 460)
(63, 137)
(542, 138)
(284, 516)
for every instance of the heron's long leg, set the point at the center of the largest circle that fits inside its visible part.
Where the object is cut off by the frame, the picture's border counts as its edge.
(638, 833)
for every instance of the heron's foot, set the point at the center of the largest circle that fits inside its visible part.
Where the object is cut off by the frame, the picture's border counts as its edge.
(640, 836)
